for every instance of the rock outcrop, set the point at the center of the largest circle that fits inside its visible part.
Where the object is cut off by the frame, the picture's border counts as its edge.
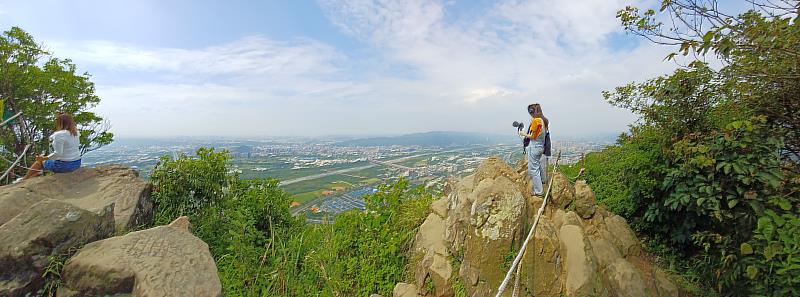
(44, 220)
(47, 228)
(161, 261)
(473, 234)
(88, 188)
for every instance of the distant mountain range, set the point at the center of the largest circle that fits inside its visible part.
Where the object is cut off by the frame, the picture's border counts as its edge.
(436, 138)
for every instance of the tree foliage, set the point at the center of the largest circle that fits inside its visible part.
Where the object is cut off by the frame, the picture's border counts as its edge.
(759, 48)
(39, 85)
(721, 144)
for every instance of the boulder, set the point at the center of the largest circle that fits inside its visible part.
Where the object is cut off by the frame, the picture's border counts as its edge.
(579, 263)
(605, 252)
(404, 290)
(430, 236)
(495, 230)
(486, 216)
(161, 261)
(439, 207)
(88, 188)
(622, 236)
(460, 204)
(585, 201)
(541, 265)
(571, 218)
(47, 228)
(435, 265)
(562, 193)
(494, 167)
(624, 280)
(436, 268)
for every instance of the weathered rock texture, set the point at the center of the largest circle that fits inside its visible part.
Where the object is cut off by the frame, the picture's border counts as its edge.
(47, 228)
(88, 188)
(472, 235)
(162, 261)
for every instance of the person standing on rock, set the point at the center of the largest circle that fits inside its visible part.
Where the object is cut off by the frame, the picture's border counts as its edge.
(537, 131)
(66, 155)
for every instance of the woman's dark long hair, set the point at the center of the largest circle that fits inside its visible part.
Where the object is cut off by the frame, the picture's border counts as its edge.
(64, 121)
(536, 112)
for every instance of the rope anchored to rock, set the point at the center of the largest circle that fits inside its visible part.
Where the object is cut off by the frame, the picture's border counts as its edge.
(518, 259)
(15, 162)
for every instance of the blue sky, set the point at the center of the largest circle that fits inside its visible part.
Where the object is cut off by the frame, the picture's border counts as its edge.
(307, 68)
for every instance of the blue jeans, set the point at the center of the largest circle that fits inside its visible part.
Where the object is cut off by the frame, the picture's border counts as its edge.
(535, 170)
(59, 166)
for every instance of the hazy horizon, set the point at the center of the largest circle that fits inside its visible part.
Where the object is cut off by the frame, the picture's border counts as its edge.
(317, 68)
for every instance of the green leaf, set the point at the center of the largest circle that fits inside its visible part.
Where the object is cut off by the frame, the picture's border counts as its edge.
(765, 227)
(772, 250)
(752, 272)
(732, 203)
(784, 204)
(707, 37)
(746, 249)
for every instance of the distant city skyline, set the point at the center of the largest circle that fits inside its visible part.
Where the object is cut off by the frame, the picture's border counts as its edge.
(371, 68)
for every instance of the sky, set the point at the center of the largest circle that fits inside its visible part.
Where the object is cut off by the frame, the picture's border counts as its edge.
(364, 67)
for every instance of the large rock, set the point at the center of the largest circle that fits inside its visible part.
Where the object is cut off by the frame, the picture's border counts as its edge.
(585, 201)
(579, 262)
(496, 225)
(404, 290)
(88, 188)
(439, 207)
(541, 264)
(624, 279)
(485, 218)
(431, 235)
(47, 228)
(622, 236)
(434, 268)
(435, 265)
(562, 193)
(161, 261)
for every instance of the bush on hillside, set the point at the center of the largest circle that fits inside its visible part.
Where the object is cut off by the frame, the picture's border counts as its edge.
(261, 250)
(373, 247)
(721, 146)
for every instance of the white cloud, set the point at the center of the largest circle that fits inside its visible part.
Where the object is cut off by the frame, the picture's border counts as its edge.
(456, 74)
(554, 52)
(252, 55)
(486, 93)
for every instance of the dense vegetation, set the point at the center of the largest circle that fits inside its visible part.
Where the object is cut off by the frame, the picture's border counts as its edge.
(39, 85)
(710, 173)
(260, 249)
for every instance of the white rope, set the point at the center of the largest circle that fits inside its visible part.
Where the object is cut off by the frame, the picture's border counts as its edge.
(20, 165)
(521, 252)
(15, 162)
(11, 118)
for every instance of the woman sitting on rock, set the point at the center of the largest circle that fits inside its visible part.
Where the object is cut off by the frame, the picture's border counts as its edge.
(66, 155)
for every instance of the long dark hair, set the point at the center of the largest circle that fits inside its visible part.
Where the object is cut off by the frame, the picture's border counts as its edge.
(64, 121)
(536, 111)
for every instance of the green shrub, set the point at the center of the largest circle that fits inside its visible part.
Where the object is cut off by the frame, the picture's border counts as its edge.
(186, 185)
(624, 177)
(261, 250)
(372, 247)
(772, 258)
